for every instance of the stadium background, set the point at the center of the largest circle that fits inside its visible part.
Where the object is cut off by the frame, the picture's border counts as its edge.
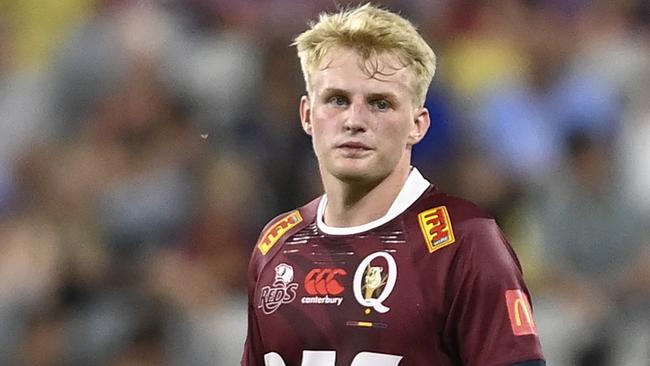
(143, 145)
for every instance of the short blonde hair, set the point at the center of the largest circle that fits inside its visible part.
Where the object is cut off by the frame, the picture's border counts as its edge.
(370, 31)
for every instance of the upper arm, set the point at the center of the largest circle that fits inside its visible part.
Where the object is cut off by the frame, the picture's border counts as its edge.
(490, 317)
(253, 343)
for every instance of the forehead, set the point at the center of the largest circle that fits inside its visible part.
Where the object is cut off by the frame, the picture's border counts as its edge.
(345, 69)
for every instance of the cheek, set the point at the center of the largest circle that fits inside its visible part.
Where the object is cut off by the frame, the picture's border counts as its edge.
(323, 113)
(322, 130)
(394, 131)
(323, 123)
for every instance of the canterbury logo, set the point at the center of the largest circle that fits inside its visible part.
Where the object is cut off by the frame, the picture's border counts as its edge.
(322, 281)
(436, 227)
(275, 232)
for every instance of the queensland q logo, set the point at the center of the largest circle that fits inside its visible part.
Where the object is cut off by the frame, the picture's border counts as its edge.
(373, 278)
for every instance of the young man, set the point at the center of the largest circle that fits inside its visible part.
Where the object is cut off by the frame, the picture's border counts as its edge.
(383, 269)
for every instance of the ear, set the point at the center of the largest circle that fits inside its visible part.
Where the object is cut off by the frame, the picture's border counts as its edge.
(305, 114)
(419, 127)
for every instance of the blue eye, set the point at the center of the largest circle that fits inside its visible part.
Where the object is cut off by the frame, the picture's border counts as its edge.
(338, 101)
(381, 104)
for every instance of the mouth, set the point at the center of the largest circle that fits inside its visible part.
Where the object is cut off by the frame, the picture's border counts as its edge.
(353, 148)
(353, 145)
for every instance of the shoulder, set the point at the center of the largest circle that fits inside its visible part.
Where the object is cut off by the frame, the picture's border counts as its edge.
(282, 226)
(479, 242)
(459, 209)
(444, 220)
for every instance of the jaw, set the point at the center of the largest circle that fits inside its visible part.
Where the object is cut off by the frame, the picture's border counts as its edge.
(367, 168)
(356, 169)
(364, 171)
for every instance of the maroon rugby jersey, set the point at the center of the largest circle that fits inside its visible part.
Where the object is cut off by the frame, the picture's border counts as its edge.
(433, 282)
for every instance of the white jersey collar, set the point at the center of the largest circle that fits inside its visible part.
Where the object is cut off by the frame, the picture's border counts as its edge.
(414, 187)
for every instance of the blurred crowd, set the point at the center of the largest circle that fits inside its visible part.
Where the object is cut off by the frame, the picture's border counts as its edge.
(144, 144)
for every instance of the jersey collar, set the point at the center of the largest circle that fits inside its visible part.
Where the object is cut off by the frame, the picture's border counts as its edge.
(414, 187)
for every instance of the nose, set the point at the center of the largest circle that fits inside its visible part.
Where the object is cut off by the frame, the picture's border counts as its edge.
(356, 119)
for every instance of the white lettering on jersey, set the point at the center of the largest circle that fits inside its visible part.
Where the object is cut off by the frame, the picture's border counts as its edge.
(375, 359)
(318, 358)
(273, 359)
(328, 358)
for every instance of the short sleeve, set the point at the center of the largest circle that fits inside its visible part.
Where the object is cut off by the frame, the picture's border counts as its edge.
(252, 347)
(490, 319)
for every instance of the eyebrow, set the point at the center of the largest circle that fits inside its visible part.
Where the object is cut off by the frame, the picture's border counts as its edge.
(383, 95)
(331, 91)
(387, 95)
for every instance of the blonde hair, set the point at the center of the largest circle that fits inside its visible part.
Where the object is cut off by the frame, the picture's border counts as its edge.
(370, 31)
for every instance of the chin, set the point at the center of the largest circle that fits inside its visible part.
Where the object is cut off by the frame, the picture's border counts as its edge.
(351, 176)
(357, 173)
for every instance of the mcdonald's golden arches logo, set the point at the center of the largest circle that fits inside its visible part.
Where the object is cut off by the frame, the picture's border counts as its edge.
(520, 313)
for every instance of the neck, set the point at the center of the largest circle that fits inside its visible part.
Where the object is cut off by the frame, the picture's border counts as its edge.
(358, 203)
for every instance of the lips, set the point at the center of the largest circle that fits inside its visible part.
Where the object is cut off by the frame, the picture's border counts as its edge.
(354, 145)
(353, 149)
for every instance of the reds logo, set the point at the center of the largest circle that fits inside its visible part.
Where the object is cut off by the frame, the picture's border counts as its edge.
(436, 227)
(283, 290)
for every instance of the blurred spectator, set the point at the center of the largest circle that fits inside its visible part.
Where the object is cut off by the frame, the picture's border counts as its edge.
(523, 121)
(593, 239)
(635, 157)
(270, 135)
(482, 49)
(25, 105)
(39, 26)
(434, 155)
(30, 267)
